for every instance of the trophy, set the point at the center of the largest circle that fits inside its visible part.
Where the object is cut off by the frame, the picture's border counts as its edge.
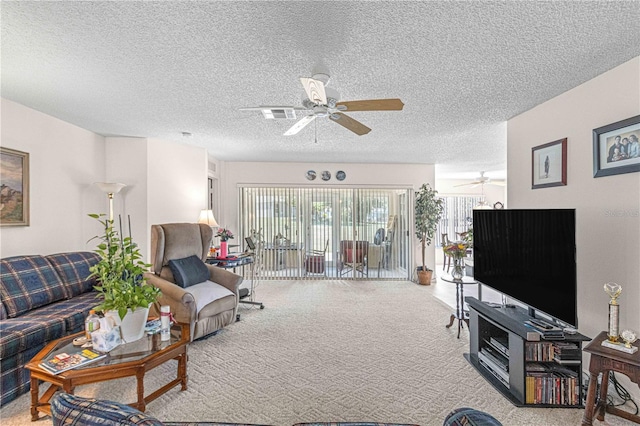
(613, 290)
(629, 337)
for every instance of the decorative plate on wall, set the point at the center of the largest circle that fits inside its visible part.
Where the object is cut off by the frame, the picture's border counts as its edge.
(311, 175)
(326, 175)
(340, 175)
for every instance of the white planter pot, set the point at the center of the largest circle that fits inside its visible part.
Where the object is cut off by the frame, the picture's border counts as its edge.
(132, 326)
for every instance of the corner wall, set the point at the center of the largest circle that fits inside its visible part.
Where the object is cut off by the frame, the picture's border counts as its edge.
(64, 162)
(607, 208)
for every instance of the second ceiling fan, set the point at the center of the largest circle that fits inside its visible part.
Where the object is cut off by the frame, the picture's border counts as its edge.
(323, 101)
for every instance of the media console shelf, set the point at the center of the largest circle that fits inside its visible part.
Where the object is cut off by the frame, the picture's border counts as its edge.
(527, 369)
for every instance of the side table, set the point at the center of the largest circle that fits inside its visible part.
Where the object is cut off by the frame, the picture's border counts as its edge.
(604, 360)
(460, 314)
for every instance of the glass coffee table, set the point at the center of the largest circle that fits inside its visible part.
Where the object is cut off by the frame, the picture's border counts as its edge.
(126, 360)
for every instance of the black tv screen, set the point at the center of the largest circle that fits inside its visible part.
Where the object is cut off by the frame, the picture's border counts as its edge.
(530, 256)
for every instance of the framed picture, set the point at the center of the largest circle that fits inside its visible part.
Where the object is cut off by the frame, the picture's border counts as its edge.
(549, 164)
(616, 149)
(14, 191)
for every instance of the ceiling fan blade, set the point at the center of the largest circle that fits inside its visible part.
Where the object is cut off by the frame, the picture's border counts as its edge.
(315, 90)
(300, 124)
(372, 105)
(349, 123)
(261, 107)
(470, 183)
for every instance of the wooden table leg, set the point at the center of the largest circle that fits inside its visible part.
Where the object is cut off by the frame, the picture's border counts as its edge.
(35, 390)
(601, 407)
(182, 371)
(587, 419)
(141, 405)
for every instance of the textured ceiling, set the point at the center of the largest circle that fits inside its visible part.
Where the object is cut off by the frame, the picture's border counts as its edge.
(157, 69)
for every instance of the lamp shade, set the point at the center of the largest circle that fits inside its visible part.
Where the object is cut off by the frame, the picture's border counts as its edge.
(110, 188)
(206, 216)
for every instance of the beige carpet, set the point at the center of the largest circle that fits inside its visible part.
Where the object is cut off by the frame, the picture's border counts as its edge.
(328, 351)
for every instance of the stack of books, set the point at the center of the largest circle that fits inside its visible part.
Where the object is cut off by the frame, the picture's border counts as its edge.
(566, 353)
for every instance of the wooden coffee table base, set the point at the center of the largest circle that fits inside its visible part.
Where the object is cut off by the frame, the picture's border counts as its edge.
(69, 380)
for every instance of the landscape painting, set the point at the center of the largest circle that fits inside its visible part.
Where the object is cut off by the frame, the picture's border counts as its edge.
(14, 187)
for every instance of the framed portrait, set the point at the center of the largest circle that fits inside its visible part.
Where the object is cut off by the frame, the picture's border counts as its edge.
(14, 191)
(549, 164)
(616, 149)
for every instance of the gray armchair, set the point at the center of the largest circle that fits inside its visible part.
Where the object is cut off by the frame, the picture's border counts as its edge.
(207, 306)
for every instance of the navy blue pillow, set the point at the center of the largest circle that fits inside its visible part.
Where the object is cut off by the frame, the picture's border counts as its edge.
(189, 271)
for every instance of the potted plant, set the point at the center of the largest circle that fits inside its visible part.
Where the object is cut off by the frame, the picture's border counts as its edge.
(428, 211)
(125, 296)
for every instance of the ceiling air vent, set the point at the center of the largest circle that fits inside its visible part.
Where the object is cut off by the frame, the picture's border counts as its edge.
(279, 113)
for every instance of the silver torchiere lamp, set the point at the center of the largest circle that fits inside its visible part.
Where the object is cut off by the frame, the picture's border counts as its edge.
(110, 189)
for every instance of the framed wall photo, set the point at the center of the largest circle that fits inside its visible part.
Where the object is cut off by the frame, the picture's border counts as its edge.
(616, 148)
(14, 190)
(549, 164)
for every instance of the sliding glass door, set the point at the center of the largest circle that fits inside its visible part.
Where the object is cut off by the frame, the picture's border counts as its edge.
(328, 233)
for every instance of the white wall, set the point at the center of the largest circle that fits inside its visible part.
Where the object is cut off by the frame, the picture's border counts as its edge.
(65, 161)
(177, 182)
(166, 183)
(234, 174)
(607, 208)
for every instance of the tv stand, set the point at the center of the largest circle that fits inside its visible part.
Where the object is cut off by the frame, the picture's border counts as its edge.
(526, 368)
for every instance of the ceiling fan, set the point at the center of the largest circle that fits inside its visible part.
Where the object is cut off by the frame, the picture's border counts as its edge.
(322, 101)
(482, 180)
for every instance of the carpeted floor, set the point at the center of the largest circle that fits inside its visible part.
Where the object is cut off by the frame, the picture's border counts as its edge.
(327, 351)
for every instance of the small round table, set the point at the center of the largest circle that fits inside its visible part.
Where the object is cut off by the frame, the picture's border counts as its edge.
(460, 314)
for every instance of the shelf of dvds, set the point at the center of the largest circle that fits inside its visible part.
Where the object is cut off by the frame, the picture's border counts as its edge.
(527, 368)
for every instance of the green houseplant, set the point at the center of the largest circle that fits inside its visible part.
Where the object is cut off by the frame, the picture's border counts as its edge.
(119, 273)
(428, 211)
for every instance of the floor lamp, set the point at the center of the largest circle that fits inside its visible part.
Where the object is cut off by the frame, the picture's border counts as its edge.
(110, 189)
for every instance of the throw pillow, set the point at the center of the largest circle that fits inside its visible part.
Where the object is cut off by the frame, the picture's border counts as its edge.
(74, 410)
(189, 271)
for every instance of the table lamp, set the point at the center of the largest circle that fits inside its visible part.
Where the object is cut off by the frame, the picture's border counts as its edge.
(206, 216)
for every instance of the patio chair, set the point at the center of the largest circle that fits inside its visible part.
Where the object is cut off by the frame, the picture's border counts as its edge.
(314, 261)
(353, 257)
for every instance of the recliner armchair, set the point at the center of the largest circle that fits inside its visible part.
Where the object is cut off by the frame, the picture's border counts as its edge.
(207, 306)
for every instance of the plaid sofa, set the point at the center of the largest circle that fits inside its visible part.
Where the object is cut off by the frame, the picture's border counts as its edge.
(42, 298)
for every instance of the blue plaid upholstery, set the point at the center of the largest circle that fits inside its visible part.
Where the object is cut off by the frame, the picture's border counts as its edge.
(71, 410)
(74, 311)
(73, 269)
(18, 334)
(15, 379)
(43, 299)
(470, 417)
(28, 282)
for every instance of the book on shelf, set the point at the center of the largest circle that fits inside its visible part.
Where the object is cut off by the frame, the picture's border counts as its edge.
(551, 384)
(64, 361)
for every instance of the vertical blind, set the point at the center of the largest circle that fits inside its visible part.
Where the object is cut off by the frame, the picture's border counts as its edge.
(290, 223)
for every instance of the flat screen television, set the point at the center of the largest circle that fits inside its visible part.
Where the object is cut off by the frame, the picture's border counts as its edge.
(529, 255)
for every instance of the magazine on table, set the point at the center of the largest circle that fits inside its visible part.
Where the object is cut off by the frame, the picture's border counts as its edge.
(63, 362)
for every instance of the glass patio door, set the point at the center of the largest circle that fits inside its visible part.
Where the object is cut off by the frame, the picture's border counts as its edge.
(363, 230)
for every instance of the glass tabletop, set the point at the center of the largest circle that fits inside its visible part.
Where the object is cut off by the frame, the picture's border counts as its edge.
(127, 352)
